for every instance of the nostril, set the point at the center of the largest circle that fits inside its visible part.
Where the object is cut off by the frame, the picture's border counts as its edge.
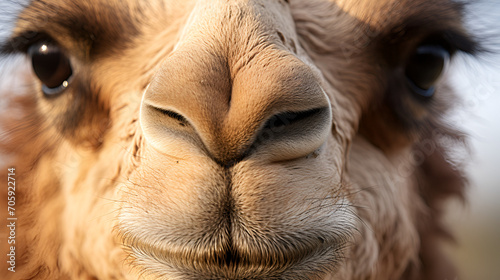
(291, 135)
(282, 120)
(182, 121)
(166, 129)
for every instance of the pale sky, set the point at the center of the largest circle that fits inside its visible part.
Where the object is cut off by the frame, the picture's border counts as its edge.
(478, 81)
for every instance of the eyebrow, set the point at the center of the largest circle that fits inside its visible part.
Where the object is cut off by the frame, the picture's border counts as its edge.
(92, 28)
(19, 43)
(442, 27)
(454, 35)
(462, 42)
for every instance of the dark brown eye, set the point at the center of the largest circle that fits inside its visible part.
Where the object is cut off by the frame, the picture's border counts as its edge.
(51, 66)
(425, 67)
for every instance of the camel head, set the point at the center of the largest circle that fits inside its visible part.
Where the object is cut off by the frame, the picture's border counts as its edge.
(242, 139)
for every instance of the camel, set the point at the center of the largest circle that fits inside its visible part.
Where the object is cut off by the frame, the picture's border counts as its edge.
(241, 139)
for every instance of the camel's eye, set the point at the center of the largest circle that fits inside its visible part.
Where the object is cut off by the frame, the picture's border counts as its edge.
(51, 66)
(424, 68)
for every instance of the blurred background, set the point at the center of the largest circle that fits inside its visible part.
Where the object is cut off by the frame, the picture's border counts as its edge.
(478, 80)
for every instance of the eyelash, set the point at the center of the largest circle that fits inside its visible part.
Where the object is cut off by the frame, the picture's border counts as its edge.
(22, 42)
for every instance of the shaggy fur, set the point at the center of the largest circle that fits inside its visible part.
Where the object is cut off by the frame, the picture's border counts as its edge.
(256, 139)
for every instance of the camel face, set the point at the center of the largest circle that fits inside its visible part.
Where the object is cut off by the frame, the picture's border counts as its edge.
(257, 139)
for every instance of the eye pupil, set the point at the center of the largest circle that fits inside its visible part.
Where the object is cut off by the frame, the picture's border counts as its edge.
(425, 67)
(51, 66)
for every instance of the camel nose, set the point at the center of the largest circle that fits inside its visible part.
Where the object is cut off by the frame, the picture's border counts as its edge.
(198, 103)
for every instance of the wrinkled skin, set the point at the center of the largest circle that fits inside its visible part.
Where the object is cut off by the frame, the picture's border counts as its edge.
(245, 139)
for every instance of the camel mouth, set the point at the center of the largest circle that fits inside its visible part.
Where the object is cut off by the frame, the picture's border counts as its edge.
(245, 222)
(249, 257)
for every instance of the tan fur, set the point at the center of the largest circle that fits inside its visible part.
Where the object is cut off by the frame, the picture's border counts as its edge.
(108, 187)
